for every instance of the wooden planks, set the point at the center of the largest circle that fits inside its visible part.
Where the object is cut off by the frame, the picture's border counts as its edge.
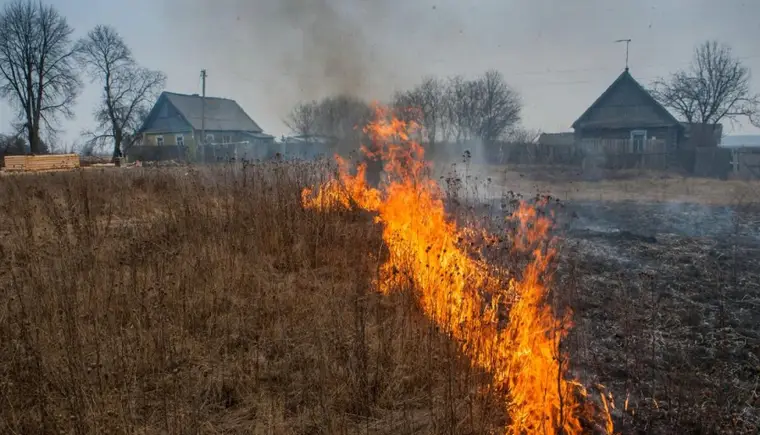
(48, 162)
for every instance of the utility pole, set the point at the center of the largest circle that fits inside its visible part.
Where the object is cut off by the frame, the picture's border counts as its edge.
(627, 43)
(203, 106)
(203, 113)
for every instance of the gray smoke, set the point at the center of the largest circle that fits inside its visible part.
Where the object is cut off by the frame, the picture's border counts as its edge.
(334, 58)
(296, 50)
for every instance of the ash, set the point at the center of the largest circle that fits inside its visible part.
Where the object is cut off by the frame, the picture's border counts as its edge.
(666, 306)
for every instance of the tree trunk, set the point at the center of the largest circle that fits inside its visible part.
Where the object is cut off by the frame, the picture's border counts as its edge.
(34, 140)
(117, 139)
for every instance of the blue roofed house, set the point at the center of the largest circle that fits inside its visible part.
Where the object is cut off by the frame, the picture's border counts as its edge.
(176, 121)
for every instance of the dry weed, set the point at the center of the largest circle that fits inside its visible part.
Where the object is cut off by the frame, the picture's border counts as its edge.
(209, 301)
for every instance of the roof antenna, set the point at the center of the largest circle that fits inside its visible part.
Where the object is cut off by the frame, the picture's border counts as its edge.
(627, 43)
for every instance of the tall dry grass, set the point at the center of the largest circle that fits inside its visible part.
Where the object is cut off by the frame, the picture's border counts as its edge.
(209, 301)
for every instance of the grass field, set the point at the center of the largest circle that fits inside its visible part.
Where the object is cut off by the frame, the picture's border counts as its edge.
(210, 301)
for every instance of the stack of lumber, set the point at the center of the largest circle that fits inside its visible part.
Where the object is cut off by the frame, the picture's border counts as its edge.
(41, 163)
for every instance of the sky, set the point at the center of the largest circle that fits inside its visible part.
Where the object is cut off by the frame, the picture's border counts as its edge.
(268, 55)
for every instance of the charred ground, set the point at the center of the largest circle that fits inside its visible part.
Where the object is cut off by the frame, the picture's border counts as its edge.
(664, 283)
(666, 301)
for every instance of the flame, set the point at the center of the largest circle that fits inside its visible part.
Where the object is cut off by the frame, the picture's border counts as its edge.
(461, 294)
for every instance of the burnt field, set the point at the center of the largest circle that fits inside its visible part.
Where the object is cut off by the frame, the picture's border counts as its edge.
(663, 277)
(667, 311)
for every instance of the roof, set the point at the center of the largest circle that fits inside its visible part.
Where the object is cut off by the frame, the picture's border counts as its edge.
(626, 77)
(221, 114)
(256, 135)
(557, 138)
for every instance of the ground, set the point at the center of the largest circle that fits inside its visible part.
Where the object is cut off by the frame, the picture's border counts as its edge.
(208, 300)
(663, 276)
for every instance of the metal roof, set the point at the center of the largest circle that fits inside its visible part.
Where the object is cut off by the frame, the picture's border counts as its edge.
(221, 114)
(626, 77)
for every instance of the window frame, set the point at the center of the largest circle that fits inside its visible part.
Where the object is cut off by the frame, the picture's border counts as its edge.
(638, 134)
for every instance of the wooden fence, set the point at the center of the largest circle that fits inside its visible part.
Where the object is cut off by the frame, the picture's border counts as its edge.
(745, 162)
(624, 154)
(41, 163)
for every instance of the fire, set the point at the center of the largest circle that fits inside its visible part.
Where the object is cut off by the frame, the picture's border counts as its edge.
(461, 294)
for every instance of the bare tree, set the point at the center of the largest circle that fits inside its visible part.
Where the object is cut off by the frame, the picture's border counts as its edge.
(37, 69)
(522, 135)
(425, 105)
(302, 119)
(459, 103)
(497, 107)
(12, 144)
(128, 89)
(343, 117)
(485, 108)
(714, 88)
(339, 117)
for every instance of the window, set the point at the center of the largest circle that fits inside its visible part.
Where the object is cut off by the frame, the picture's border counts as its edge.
(180, 140)
(226, 139)
(638, 140)
(160, 141)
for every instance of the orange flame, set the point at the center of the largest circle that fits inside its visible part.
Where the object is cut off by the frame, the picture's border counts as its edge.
(523, 357)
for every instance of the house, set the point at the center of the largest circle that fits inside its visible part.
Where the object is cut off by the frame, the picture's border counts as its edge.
(177, 120)
(556, 139)
(626, 113)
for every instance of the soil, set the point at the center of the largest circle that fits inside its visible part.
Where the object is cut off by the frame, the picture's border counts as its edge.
(666, 309)
(666, 301)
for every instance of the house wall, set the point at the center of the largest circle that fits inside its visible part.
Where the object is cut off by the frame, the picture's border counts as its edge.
(669, 135)
(170, 139)
(233, 136)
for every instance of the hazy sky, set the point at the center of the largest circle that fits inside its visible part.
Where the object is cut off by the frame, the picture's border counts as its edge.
(267, 55)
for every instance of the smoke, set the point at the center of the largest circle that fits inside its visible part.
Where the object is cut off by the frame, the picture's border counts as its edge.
(274, 54)
(335, 53)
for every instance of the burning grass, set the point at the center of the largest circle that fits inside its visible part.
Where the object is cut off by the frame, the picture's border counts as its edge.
(464, 296)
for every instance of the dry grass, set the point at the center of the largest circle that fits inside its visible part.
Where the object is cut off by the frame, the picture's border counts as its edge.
(176, 301)
(209, 301)
(570, 184)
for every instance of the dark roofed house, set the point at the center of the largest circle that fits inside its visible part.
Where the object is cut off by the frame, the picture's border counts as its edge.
(556, 139)
(178, 119)
(627, 112)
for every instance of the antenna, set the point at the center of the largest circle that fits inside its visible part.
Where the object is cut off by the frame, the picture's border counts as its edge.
(627, 43)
